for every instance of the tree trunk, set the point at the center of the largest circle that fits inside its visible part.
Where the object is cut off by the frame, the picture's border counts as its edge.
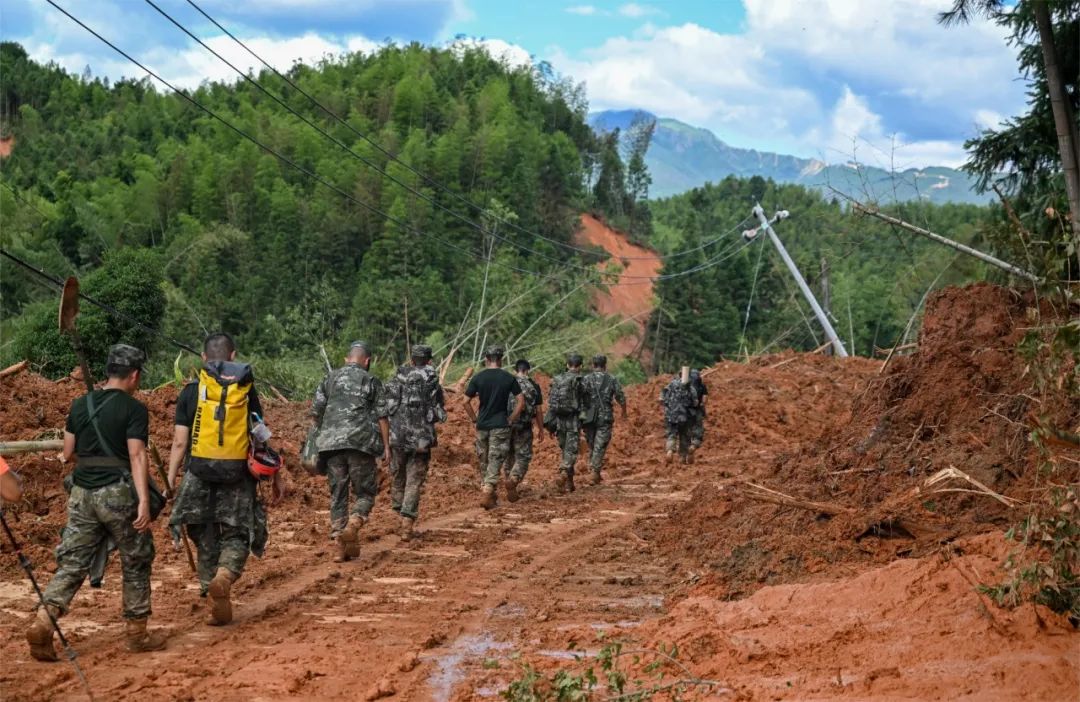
(1065, 133)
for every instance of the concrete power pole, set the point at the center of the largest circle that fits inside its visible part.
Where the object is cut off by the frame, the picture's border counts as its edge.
(823, 319)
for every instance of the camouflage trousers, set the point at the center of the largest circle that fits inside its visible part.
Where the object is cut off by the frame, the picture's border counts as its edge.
(597, 436)
(219, 546)
(679, 437)
(352, 471)
(569, 435)
(697, 429)
(93, 517)
(408, 471)
(492, 447)
(520, 455)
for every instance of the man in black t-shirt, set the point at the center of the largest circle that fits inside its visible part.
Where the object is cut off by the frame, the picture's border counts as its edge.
(106, 432)
(494, 386)
(217, 500)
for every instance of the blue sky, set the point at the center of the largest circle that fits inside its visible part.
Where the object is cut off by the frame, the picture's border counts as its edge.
(832, 79)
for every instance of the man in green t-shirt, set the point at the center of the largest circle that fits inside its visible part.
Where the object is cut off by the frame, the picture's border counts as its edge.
(494, 386)
(107, 432)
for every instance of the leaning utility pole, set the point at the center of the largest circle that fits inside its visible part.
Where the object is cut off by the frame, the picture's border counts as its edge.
(766, 224)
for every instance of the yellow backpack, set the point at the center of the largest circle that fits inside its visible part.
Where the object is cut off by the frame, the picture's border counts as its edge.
(220, 429)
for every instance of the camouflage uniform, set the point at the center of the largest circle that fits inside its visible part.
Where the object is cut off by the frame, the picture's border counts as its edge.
(568, 431)
(93, 517)
(415, 403)
(227, 522)
(679, 403)
(521, 435)
(347, 407)
(602, 390)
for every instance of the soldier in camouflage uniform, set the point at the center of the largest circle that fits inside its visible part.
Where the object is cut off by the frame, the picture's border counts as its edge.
(415, 403)
(349, 411)
(226, 520)
(107, 430)
(602, 391)
(678, 401)
(521, 433)
(495, 388)
(566, 401)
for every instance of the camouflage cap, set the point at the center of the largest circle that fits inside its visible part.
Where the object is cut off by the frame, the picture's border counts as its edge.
(599, 360)
(494, 351)
(124, 356)
(574, 359)
(695, 373)
(362, 345)
(420, 351)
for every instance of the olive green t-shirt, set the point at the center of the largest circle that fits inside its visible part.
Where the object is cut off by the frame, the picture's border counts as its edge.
(120, 417)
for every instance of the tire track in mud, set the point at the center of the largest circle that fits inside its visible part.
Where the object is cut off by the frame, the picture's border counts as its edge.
(418, 618)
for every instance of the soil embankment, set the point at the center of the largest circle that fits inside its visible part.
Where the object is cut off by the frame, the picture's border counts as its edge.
(774, 602)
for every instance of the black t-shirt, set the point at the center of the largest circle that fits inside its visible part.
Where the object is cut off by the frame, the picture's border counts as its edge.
(494, 386)
(120, 417)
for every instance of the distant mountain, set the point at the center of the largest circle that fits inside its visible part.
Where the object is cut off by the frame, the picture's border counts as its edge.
(682, 157)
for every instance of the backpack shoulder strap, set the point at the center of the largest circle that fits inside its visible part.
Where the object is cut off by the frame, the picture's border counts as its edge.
(93, 414)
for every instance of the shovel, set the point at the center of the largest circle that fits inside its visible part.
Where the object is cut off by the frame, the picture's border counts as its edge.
(69, 310)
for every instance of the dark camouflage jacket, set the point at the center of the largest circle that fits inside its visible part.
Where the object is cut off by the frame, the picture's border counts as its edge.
(348, 405)
(415, 403)
(679, 401)
(602, 391)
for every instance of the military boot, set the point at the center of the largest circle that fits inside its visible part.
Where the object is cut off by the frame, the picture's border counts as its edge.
(218, 594)
(490, 500)
(596, 479)
(407, 528)
(139, 640)
(349, 539)
(570, 483)
(690, 455)
(560, 483)
(40, 634)
(511, 490)
(668, 457)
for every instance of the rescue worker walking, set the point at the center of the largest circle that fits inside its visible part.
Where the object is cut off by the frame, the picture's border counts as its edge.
(107, 431)
(217, 499)
(602, 391)
(349, 412)
(678, 400)
(494, 386)
(566, 400)
(415, 404)
(521, 432)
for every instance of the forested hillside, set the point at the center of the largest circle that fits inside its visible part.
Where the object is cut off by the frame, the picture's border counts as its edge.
(138, 180)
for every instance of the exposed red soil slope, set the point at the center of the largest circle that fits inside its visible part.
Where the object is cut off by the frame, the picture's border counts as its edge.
(633, 298)
(6, 145)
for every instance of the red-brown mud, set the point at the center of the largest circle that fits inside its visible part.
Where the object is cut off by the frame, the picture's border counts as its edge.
(772, 602)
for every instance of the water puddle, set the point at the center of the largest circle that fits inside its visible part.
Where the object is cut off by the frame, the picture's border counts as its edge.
(449, 665)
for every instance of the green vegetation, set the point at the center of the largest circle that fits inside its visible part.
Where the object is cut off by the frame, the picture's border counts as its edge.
(241, 241)
(877, 277)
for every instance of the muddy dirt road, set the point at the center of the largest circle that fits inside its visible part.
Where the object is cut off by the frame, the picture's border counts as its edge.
(767, 602)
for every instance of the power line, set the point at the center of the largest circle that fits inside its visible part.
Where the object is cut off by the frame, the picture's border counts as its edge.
(427, 179)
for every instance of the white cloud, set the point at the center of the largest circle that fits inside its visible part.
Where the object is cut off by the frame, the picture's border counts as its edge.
(583, 10)
(634, 10)
(513, 54)
(809, 76)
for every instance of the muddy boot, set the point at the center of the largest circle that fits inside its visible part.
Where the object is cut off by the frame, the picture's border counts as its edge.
(570, 483)
(218, 595)
(490, 499)
(139, 640)
(596, 479)
(560, 483)
(511, 490)
(349, 540)
(40, 635)
(406, 528)
(668, 457)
